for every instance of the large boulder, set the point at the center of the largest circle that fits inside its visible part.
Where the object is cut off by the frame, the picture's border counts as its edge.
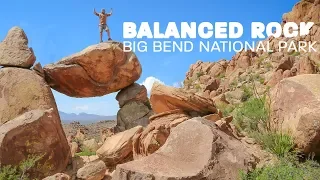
(133, 114)
(14, 50)
(134, 92)
(22, 90)
(295, 109)
(30, 122)
(95, 71)
(164, 98)
(37, 133)
(118, 148)
(92, 171)
(196, 149)
(157, 132)
(58, 176)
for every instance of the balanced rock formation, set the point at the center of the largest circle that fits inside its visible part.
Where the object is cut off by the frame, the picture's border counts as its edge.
(195, 149)
(134, 106)
(95, 71)
(14, 50)
(295, 109)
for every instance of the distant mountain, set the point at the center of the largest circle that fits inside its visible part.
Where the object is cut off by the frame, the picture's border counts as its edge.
(84, 118)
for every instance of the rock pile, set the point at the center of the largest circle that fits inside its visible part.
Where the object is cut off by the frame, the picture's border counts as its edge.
(29, 119)
(195, 149)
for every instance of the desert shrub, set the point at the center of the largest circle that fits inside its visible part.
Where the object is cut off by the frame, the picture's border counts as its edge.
(187, 83)
(247, 93)
(279, 144)
(268, 65)
(258, 77)
(19, 172)
(199, 74)
(198, 87)
(85, 152)
(148, 104)
(288, 168)
(295, 53)
(251, 114)
(261, 58)
(233, 84)
(225, 108)
(220, 76)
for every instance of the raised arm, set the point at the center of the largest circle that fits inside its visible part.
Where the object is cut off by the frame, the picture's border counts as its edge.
(95, 13)
(109, 14)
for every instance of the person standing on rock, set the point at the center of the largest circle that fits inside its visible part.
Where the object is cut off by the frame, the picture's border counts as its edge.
(103, 22)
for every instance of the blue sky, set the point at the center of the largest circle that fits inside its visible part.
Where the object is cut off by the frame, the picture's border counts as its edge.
(62, 27)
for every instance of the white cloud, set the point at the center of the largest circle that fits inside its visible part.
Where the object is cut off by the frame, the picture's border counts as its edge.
(148, 83)
(81, 108)
(177, 84)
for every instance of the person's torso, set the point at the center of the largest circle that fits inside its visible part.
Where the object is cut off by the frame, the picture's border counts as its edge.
(103, 18)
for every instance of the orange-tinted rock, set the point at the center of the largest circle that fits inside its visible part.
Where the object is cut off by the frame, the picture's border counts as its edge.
(58, 176)
(306, 66)
(92, 171)
(118, 148)
(195, 149)
(95, 71)
(295, 109)
(276, 78)
(156, 133)
(36, 132)
(164, 98)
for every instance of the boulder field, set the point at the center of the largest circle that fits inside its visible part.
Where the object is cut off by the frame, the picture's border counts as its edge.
(177, 133)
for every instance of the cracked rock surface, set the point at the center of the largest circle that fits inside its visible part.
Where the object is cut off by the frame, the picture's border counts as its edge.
(95, 71)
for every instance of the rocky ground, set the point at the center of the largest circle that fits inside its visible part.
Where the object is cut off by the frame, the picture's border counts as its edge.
(91, 131)
(255, 116)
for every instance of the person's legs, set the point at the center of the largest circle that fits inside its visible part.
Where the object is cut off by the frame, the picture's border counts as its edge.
(101, 32)
(108, 32)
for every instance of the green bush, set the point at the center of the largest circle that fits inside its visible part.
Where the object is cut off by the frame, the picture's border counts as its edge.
(19, 172)
(288, 168)
(225, 108)
(261, 58)
(220, 76)
(251, 114)
(199, 74)
(85, 152)
(276, 143)
(258, 77)
(295, 53)
(247, 94)
(268, 65)
(233, 84)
